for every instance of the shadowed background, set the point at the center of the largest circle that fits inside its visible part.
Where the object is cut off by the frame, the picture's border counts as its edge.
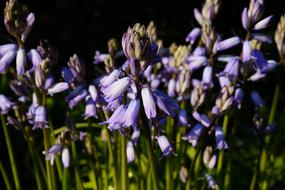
(83, 26)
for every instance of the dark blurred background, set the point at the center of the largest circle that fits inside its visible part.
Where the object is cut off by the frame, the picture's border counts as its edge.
(82, 26)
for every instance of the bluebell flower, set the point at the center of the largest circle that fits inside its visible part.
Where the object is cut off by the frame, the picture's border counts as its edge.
(58, 87)
(211, 182)
(239, 94)
(5, 104)
(131, 115)
(93, 92)
(67, 75)
(244, 19)
(21, 61)
(165, 103)
(202, 118)
(52, 152)
(35, 57)
(65, 157)
(7, 55)
(135, 136)
(30, 22)
(246, 51)
(228, 43)
(164, 145)
(171, 88)
(194, 134)
(257, 100)
(75, 96)
(199, 51)
(195, 62)
(130, 152)
(32, 109)
(40, 120)
(220, 138)
(264, 23)
(90, 108)
(262, 38)
(115, 121)
(116, 89)
(49, 81)
(193, 35)
(182, 117)
(207, 79)
(261, 65)
(112, 106)
(232, 69)
(148, 103)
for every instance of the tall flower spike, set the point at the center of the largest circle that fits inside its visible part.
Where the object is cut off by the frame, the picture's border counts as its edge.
(148, 103)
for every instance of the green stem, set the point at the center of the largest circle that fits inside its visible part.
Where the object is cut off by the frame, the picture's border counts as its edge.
(65, 179)
(111, 155)
(192, 167)
(48, 165)
(150, 154)
(124, 165)
(36, 167)
(221, 154)
(11, 154)
(5, 177)
(37, 158)
(79, 185)
(169, 161)
(264, 153)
